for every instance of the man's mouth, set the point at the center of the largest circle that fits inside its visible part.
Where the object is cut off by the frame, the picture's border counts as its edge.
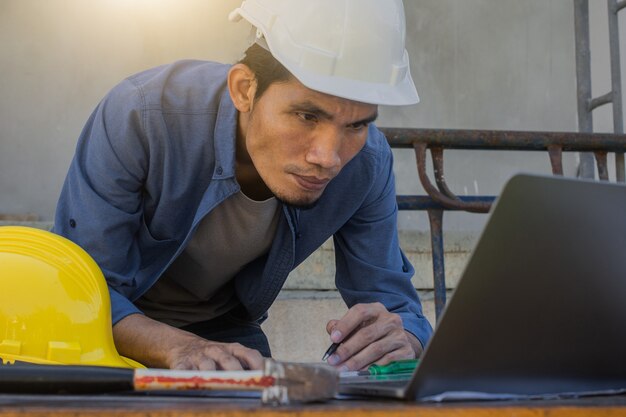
(311, 183)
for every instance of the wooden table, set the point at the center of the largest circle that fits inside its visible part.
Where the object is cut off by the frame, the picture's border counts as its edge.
(185, 405)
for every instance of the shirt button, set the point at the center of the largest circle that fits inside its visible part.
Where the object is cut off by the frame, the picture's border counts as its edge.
(72, 223)
(404, 268)
(219, 170)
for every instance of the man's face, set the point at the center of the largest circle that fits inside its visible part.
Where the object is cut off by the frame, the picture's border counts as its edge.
(299, 139)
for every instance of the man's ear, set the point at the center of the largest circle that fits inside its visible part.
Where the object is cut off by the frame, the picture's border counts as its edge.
(242, 87)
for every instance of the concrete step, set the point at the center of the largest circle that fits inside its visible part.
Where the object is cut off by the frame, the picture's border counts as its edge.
(318, 271)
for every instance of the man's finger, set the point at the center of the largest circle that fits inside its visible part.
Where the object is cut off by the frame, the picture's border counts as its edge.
(396, 355)
(331, 325)
(206, 364)
(370, 342)
(235, 357)
(249, 358)
(381, 352)
(194, 363)
(377, 334)
(364, 358)
(355, 318)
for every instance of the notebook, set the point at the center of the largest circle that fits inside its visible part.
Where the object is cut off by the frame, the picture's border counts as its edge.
(540, 309)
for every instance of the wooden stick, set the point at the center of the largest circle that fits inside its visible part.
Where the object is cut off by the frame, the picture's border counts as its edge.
(164, 379)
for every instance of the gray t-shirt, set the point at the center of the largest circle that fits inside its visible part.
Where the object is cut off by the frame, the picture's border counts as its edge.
(196, 285)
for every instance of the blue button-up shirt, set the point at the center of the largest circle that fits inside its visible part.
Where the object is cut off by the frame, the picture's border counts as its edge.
(158, 154)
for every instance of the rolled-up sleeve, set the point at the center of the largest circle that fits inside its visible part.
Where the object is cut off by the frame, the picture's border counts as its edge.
(370, 266)
(100, 206)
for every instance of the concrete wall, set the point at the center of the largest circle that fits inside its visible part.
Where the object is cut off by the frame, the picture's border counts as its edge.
(488, 64)
(58, 58)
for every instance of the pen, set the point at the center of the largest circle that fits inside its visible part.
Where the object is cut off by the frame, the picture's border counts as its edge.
(392, 368)
(330, 351)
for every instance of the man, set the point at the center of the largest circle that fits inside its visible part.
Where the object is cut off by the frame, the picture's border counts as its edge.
(198, 187)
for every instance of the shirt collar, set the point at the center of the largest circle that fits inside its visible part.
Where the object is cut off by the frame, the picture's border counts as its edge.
(225, 137)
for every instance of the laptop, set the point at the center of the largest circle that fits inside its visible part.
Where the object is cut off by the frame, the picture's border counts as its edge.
(540, 310)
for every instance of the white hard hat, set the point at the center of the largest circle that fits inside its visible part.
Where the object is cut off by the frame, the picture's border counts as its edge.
(347, 48)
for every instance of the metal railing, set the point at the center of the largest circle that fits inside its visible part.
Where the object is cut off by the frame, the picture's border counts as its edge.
(440, 198)
(589, 144)
(586, 103)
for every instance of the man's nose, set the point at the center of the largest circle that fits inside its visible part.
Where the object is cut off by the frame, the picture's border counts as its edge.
(324, 149)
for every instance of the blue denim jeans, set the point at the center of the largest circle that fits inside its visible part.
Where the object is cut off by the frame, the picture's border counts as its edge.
(231, 329)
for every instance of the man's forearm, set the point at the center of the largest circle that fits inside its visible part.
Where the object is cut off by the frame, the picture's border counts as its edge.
(148, 341)
(159, 345)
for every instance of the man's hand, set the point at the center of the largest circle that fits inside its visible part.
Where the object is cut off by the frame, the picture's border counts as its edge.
(369, 334)
(159, 345)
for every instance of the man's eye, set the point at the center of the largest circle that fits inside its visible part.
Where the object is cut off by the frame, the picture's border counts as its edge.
(308, 117)
(358, 126)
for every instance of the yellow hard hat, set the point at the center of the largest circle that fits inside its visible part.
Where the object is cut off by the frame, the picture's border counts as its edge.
(54, 302)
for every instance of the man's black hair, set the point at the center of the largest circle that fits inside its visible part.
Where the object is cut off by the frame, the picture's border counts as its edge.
(267, 70)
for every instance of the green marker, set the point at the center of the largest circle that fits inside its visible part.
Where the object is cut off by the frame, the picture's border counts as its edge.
(397, 367)
(392, 368)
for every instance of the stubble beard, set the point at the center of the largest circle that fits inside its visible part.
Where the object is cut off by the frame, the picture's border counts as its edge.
(297, 203)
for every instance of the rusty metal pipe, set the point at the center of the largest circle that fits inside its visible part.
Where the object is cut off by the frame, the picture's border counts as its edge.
(439, 277)
(603, 170)
(583, 80)
(505, 140)
(424, 202)
(556, 159)
(601, 101)
(437, 158)
(616, 83)
(438, 196)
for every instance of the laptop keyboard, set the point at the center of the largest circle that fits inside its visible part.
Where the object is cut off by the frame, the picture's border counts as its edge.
(392, 381)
